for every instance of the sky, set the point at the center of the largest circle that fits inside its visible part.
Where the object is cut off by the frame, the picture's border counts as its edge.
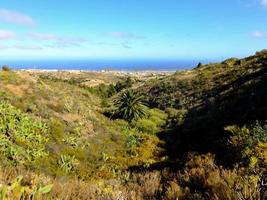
(116, 29)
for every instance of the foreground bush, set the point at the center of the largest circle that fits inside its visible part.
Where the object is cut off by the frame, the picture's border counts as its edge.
(251, 143)
(22, 139)
(18, 190)
(202, 178)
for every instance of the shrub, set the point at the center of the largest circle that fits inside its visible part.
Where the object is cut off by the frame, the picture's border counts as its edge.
(18, 190)
(10, 77)
(129, 106)
(132, 142)
(6, 68)
(22, 139)
(67, 163)
(213, 182)
(154, 123)
(57, 130)
(175, 117)
(251, 141)
(127, 83)
(158, 116)
(174, 191)
(147, 126)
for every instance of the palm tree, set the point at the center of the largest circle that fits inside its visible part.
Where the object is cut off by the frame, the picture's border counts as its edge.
(129, 106)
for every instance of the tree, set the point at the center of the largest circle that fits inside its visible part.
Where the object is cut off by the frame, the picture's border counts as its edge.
(199, 65)
(6, 68)
(129, 106)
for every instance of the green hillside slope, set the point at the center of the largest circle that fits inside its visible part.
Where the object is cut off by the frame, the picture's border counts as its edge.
(194, 134)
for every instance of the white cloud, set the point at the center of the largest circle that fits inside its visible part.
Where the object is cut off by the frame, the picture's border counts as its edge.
(69, 41)
(259, 34)
(27, 47)
(58, 42)
(16, 17)
(40, 36)
(125, 35)
(5, 35)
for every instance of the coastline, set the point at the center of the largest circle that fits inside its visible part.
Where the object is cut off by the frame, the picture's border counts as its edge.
(114, 72)
(93, 78)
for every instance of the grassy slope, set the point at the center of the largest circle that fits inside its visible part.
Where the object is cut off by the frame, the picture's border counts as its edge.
(214, 96)
(76, 124)
(200, 103)
(194, 87)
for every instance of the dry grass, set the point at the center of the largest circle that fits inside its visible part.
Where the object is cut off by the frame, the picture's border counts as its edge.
(18, 90)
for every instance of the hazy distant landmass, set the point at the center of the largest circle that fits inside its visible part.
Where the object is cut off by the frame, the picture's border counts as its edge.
(131, 65)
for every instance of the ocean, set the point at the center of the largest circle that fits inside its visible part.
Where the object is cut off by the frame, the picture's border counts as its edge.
(101, 64)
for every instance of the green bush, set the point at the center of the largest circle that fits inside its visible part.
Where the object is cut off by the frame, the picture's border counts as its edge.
(133, 140)
(6, 68)
(251, 142)
(147, 126)
(22, 139)
(9, 77)
(154, 123)
(57, 130)
(67, 163)
(175, 117)
(18, 190)
(158, 117)
(248, 137)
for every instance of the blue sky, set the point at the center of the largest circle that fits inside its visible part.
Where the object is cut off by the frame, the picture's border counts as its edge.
(157, 29)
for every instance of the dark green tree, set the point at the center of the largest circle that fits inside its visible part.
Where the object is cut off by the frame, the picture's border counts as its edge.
(6, 68)
(199, 65)
(129, 106)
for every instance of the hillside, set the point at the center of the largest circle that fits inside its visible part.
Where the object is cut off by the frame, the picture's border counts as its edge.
(213, 96)
(204, 134)
(195, 87)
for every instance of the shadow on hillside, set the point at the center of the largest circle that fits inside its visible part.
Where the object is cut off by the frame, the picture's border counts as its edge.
(241, 102)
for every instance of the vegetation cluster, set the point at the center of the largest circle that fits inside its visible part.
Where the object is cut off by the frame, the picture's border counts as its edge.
(194, 134)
